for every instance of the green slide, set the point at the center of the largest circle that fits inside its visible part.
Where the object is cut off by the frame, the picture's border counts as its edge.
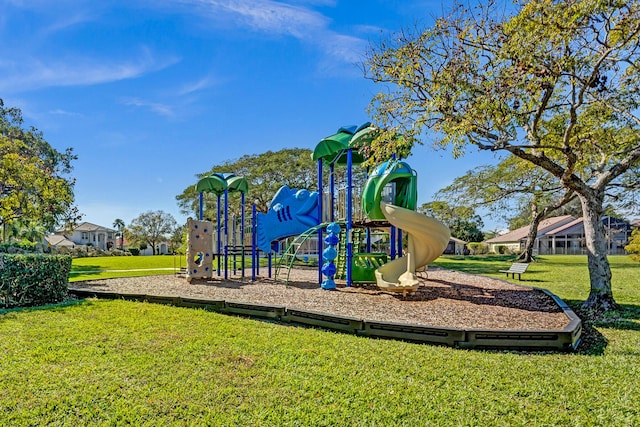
(402, 188)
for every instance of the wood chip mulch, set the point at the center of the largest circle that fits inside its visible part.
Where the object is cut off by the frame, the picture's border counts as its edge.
(445, 298)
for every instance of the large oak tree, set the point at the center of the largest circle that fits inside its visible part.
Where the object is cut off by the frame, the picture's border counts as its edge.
(555, 83)
(152, 228)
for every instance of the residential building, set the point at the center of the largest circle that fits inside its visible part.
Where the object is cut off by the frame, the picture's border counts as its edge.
(456, 247)
(564, 235)
(85, 234)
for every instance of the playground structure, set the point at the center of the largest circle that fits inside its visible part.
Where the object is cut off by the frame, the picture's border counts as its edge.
(202, 245)
(380, 211)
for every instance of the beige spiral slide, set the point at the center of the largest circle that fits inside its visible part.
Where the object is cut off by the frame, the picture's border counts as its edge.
(428, 238)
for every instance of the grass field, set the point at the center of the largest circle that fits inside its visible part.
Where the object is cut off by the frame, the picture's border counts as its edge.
(565, 275)
(133, 266)
(124, 266)
(99, 362)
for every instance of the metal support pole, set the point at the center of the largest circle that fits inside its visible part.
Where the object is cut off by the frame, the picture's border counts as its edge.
(226, 234)
(219, 243)
(201, 197)
(254, 251)
(332, 193)
(242, 232)
(392, 237)
(320, 216)
(349, 214)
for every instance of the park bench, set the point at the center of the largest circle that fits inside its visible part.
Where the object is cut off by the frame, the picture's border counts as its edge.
(516, 268)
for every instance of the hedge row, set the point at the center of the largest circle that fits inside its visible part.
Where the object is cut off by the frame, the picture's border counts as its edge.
(33, 279)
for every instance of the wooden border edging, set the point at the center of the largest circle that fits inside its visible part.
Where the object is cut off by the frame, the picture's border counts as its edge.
(565, 339)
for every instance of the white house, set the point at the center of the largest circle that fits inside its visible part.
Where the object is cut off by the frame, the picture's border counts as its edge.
(85, 234)
(564, 235)
(456, 246)
(162, 248)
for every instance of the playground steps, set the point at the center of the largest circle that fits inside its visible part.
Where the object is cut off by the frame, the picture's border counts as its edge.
(288, 258)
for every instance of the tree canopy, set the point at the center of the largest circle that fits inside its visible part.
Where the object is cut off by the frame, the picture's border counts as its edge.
(512, 182)
(152, 228)
(265, 172)
(35, 186)
(555, 83)
(463, 222)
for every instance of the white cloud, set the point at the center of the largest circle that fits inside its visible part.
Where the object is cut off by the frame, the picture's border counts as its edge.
(347, 48)
(262, 15)
(195, 86)
(278, 18)
(156, 107)
(68, 21)
(28, 74)
(61, 112)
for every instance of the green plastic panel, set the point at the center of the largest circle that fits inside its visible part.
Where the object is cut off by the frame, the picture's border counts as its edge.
(364, 265)
(390, 172)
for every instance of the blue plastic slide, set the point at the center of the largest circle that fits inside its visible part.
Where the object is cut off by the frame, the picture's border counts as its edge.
(291, 212)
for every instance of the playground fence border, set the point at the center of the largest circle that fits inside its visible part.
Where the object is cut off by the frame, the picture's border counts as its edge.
(566, 339)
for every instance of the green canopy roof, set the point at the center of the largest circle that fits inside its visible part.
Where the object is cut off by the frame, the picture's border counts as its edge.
(214, 183)
(238, 183)
(218, 182)
(329, 148)
(364, 135)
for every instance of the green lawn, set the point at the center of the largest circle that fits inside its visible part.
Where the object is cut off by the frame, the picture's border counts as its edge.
(130, 266)
(565, 275)
(113, 266)
(99, 362)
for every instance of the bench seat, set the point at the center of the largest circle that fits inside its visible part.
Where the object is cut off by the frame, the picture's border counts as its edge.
(516, 268)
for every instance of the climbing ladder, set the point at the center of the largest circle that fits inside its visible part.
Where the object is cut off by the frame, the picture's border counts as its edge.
(289, 256)
(341, 260)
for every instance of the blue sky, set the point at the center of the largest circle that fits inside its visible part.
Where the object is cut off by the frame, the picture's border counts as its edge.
(151, 92)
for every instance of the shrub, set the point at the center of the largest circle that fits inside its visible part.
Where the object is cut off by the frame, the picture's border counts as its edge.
(21, 247)
(118, 252)
(134, 251)
(634, 245)
(502, 250)
(478, 248)
(33, 279)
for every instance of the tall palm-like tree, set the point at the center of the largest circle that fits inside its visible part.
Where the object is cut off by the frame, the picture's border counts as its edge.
(32, 232)
(118, 224)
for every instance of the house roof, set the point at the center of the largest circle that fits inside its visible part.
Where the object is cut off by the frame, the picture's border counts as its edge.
(545, 227)
(455, 239)
(564, 227)
(59, 240)
(87, 226)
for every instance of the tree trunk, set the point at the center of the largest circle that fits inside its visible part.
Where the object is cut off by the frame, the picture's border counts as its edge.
(600, 295)
(536, 218)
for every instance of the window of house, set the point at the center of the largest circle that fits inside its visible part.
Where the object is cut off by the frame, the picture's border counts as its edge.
(85, 236)
(94, 237)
